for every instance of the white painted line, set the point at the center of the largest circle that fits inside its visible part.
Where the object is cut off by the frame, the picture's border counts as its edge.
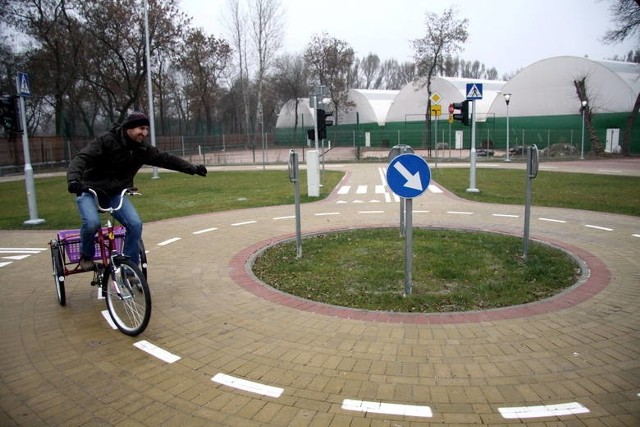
(636, 235)
(380, 189)
(206, 230)
(19, 251)
(250, 386)
(24, 249)
(420, 211)
(609, 170)
(341, 202)
(552, 220)
(459, 213)
(370, 212)
(279, 218)
(106, 314)
(362, 189)
(344, 189)
(383, 175)
(596, 227)
(506, 216)
(572, 408)
(16, 257)
(327, 213)
(156, 351)
(358, 201)
(4, 264)
(387, 408)
(237, 224)
(374, 201)
(387, 197)
(434, 189)
(168, 242)
(396, 198)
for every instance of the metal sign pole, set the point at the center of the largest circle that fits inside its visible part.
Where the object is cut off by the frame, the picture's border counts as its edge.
(28, 169)
(532, 172)
(408, 248)
(472, 170)
(294, 178)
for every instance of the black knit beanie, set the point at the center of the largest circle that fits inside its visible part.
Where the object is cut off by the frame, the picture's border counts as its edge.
(134, 120)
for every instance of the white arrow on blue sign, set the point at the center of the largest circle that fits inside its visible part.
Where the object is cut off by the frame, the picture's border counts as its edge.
(408, 175)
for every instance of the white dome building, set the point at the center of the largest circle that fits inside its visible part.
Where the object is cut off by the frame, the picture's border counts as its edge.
(411, 103)
(546, 88)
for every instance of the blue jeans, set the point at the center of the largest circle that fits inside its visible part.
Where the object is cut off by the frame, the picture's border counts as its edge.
(127, 216)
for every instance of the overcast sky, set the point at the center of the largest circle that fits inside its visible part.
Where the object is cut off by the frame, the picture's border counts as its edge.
(506, 34)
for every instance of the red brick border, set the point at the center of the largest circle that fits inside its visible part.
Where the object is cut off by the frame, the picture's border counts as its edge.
(598, 277)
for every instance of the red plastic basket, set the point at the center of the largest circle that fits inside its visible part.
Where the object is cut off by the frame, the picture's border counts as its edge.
(70, 241)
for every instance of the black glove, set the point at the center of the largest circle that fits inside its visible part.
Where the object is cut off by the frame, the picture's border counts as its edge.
(74, 187)
(200, 170)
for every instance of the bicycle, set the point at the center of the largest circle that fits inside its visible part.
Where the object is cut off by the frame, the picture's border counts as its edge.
(120, 281)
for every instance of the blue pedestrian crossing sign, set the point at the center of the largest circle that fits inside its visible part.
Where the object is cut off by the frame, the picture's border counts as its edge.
(23, 84)
(474, 91)
(408, 175)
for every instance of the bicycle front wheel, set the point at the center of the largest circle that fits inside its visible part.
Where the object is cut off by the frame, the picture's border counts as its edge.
(128, 298)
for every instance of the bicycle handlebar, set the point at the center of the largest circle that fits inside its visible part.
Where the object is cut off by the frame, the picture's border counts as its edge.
(127, 191)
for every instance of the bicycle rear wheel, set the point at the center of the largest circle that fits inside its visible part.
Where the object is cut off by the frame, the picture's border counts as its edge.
(128, 298)
(58, 271)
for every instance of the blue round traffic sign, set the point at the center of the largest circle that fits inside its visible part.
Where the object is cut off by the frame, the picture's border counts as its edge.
(408, 175)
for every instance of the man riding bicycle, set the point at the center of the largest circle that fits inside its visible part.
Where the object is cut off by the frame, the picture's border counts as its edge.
(109, 164)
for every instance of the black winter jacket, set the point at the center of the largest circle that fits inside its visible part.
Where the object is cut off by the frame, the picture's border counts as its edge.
(111, 161)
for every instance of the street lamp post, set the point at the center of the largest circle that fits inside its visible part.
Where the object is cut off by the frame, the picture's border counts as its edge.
(507, 97)
(147, 51)
(584, 107)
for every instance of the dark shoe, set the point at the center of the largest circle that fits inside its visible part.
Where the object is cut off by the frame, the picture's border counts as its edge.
(87, 264)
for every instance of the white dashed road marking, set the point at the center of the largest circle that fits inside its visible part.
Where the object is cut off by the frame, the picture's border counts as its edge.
(543, 411)
(156, 351)
(206, 230)
(169, 241)
(244, 385)
(387, 408)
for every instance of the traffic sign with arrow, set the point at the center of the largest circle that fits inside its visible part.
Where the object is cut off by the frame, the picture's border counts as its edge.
(408, 175)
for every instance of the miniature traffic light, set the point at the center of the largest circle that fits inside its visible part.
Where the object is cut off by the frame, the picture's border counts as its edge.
(10, 118)
(323, 122)
(463, 115)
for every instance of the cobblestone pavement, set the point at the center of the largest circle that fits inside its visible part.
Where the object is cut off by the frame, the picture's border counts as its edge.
(222, 349)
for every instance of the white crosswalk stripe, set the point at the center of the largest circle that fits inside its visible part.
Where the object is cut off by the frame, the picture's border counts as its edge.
(17, 254)
(360, 191)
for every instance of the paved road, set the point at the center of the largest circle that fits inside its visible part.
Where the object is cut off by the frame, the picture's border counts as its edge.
(222, 349)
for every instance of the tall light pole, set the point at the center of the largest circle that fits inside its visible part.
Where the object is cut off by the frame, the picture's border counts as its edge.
(152, 127)
(584, 107)
(507, 97)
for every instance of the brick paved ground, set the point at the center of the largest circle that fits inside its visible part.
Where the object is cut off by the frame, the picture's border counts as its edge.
(307, 362)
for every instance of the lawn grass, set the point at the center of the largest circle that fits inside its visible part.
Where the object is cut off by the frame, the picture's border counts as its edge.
(601, 193)
(173, 195)
(452, 270)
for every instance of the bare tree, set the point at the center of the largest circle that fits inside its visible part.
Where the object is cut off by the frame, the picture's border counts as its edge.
(56, 32)
(203, 62)
(626, 15)
(266, 24)
(330, 61)
(291, 80)
(581, 89)
(444, 34)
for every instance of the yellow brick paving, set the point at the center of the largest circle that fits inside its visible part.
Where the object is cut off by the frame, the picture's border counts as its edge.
(65, 366)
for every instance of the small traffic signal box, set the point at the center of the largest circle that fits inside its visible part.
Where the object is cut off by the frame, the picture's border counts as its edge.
(323, 122)
(460, 111)
(9, 116)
